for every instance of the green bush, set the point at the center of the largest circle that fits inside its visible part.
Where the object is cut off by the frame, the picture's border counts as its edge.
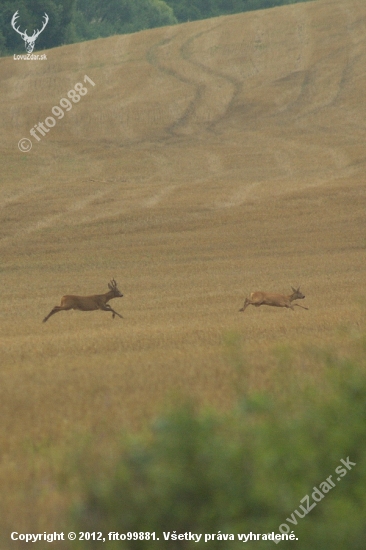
(244, 471)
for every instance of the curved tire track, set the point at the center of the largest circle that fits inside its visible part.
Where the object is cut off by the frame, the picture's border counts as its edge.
(212, 92)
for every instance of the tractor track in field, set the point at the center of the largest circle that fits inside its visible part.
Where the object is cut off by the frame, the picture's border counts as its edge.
(203, 106)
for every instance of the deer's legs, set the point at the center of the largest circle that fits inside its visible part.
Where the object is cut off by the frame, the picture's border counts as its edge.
(107, 307)
(115, 313)
(246, 304)
(298, 305)
(55, 310)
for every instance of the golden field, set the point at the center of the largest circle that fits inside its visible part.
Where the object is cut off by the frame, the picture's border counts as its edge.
(209, 160)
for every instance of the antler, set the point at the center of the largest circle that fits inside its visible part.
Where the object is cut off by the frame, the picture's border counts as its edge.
(38, 32)
(112, 284)
(13, 21)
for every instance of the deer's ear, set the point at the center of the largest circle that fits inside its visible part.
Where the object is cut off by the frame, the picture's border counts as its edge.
(293, 289)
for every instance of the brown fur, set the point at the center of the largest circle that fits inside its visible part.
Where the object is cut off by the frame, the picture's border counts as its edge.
(89, 303)
(278, 300)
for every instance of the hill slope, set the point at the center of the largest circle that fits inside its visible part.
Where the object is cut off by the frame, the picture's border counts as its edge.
(209, 159)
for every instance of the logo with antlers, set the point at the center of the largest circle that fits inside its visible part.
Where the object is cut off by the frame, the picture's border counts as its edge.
(28, 40)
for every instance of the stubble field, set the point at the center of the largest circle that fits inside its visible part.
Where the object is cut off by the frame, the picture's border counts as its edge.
(209, 160)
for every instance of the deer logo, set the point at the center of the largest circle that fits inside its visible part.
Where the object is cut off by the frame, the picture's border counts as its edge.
(28, 40)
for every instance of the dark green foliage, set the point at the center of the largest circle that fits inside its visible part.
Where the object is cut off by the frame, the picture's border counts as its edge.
(189, 10)
(95, 18)
(30, 18)
(77, 20)
(243, 472)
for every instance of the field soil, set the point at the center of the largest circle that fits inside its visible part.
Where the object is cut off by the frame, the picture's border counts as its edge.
(208, 160)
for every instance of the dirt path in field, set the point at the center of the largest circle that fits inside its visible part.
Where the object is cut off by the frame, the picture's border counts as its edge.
(208, 116)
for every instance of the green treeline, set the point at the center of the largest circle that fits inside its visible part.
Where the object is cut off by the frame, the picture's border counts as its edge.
(294, 463)
(73, 21)
(190, 10)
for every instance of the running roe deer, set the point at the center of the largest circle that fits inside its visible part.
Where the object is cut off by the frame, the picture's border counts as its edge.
(89, 303)
(278, 300)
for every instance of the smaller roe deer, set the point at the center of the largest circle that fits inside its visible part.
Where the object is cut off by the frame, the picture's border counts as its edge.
(278, 300)
(89, 303)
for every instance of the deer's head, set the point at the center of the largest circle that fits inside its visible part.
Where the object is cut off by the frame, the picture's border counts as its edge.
(113, 287)
(297, 295)
(28, 40)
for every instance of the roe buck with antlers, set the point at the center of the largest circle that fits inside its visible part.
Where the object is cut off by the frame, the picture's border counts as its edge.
(278, 300)
(89, 303)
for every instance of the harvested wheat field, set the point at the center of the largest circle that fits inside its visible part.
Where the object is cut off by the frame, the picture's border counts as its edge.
(205, 161)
